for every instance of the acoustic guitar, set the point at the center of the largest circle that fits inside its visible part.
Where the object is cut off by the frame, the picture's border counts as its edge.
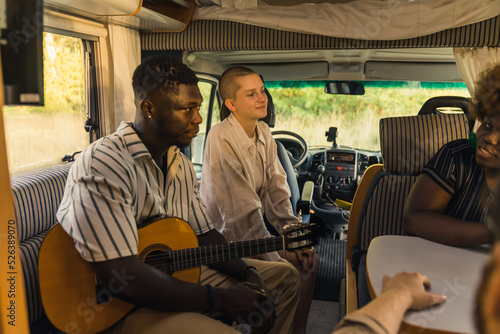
(75, 302)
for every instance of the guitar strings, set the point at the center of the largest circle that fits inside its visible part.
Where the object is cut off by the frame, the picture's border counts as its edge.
(195, 257)
(303, 234)
(225, 250)
(240, 244)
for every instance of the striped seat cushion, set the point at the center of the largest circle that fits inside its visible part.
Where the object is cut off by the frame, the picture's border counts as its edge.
(29, 258)
(36, 197)
(382, 212)
(407, 143)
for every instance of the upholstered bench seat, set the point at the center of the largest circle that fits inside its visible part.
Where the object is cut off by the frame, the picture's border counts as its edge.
(36, 195)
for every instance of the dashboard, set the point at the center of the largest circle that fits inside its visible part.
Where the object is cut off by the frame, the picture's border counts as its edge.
(336, 172)
(340, 172)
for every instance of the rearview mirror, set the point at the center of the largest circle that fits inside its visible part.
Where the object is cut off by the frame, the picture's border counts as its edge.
(345, 87)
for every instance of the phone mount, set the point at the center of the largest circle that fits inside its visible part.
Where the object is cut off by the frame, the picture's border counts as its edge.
(331, 136)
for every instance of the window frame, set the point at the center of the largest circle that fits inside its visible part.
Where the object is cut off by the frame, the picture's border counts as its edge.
(214, 96)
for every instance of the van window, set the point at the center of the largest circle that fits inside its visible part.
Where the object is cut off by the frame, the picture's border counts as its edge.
(305, 108)
(38, 136)
(209, 111)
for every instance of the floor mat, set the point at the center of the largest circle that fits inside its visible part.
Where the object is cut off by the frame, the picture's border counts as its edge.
(331, 268)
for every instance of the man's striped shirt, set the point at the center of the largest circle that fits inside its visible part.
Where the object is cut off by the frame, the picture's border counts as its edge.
(115, 185)
(454, 169)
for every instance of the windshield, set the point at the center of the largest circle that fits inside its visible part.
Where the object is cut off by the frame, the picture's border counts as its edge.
(304, 108)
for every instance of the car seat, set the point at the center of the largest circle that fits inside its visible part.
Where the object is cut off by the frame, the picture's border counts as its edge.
(407, 143)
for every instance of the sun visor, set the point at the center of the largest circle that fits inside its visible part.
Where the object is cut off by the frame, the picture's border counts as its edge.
(290, 71)
(409, 71)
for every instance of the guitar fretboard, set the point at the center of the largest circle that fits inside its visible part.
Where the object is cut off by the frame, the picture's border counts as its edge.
(195, 257)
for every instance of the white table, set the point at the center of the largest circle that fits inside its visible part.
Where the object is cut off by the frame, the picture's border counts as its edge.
(454, 272)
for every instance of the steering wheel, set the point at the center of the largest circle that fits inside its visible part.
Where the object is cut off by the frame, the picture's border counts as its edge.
(296, 162)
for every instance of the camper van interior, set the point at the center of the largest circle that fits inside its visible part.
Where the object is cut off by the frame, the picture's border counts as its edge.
(364, 93)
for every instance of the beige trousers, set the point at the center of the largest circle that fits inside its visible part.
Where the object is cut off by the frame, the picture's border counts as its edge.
(281, 279)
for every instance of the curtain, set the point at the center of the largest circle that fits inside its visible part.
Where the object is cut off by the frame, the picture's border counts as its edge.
(472, 61)
(359, 19)
(126, 56)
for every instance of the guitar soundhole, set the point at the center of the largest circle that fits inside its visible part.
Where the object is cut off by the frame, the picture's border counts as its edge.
(158, 256)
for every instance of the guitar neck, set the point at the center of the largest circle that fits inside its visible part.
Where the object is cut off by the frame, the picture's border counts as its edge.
(205, 255)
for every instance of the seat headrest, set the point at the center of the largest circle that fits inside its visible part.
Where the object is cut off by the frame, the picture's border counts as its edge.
(432, 106)
(270, 118)
(407, 143)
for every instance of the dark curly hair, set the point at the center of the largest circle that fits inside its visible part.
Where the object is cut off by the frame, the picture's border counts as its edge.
(486, 96)
(161, 73)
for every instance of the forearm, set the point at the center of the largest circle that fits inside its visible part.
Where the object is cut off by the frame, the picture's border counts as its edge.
(446, 230)
(236, 205)
(400, 293)
(238, 268)
(388, 310)
(277, 205)
(425, 216)
(143, 285)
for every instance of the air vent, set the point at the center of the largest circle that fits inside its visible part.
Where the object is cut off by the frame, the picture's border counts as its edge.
(317, 159)
(416, 71)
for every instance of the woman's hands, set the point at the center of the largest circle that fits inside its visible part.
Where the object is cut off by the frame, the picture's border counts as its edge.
(308, 260)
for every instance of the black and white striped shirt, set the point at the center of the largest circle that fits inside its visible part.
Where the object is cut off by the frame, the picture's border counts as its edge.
(454, 169)
(115, 185)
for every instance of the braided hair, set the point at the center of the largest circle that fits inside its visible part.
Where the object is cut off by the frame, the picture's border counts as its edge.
(161, 74)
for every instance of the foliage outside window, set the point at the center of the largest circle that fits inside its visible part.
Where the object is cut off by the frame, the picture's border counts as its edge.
(38, 136)
(304, 108)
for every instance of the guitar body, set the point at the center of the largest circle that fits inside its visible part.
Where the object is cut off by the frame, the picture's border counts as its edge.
(76, 303)
(68, 283)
